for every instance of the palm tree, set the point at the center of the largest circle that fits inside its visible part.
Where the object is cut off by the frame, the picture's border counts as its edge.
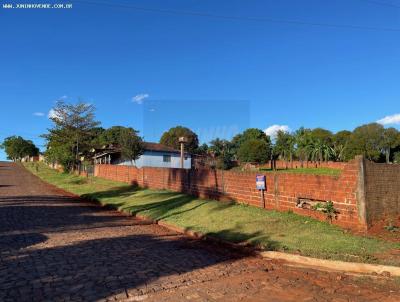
(320, 151)
(302, 141)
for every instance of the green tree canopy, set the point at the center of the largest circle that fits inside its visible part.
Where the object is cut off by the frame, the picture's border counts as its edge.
(322, 135)
(220, 146)
(284, 145)
(171, 138)
(17, 148)
(367, 140)
(254, 150)
(249, 134)
(72, 133)
(340, 143)
(254, 133)
(303, 142)
(391, 139)
(131, 144)
(96, 137)
(222, 149)
(202, 149)
(112, 135)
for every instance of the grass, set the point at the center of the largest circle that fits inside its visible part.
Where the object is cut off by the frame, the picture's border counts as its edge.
(273, 230)
(315, 171)
(312, 170)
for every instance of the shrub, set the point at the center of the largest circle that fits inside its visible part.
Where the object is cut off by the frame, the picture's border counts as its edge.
(254, 151)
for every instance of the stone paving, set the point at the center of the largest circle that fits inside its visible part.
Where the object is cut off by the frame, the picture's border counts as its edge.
(54, 247)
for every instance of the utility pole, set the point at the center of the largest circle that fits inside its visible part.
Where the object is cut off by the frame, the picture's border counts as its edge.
(182, 141)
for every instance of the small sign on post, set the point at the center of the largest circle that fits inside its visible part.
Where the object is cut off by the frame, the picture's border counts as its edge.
(260, 185)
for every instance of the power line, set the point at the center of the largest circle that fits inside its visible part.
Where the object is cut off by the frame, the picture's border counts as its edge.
(237, 18)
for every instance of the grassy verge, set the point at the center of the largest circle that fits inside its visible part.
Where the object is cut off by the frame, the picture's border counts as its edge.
(315, 171)
(230, 221)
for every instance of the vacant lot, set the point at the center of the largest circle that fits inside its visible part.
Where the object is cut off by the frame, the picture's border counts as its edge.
(231, 221)
(315, 171)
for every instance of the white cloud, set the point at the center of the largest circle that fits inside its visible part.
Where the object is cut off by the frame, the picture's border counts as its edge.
(139, 98)
(152, 110)
(390, 119)
(273, 130)
(52, 114)
(38, 114)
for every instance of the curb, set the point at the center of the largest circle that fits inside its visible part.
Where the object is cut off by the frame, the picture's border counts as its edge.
(303, 261)
(297, 260)
(333, 265)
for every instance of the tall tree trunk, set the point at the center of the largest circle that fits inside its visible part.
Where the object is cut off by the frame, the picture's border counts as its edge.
(291, 160)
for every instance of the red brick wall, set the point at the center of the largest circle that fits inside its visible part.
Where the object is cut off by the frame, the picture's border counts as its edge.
(282, 193)
(382, 186)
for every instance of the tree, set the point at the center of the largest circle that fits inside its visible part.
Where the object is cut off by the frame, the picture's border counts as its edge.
(202, 150)
(112, 135)
(222, 150)
(17, 148)
(320, 151)
(284, 146)
(253, 134)
(396, 157)
(219, 146)
(302, 143)
(96, 141)
(171, 138)
(322, 135)
(391, 139)
(320, 145)
(247, 135)
(254, 150)
(340, 141)
(235, 142)
(72, 133)
(131, 144)
(367, 140)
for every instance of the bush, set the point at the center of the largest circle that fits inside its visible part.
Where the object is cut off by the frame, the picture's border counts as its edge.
(225, 162)
(254, 151)
(396, 157)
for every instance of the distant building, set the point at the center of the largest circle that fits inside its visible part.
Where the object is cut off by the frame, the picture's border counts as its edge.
(154, 155)
(35, 158)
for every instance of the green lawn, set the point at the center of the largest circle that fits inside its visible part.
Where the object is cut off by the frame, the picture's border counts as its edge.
(316, 171)
(230, 221)
(311, 170)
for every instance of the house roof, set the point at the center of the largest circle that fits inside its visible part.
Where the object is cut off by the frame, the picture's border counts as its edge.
(158, 147)
(148, 146)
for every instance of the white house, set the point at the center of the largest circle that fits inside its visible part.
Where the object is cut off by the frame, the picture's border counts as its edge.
(154, 155)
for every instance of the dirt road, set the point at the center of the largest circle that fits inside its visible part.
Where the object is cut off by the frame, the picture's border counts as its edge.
(54, 247)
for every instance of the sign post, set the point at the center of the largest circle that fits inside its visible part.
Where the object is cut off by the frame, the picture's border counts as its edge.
(260, 185)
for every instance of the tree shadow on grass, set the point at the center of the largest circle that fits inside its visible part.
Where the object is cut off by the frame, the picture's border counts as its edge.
(254, 238)
(163, 208)
(113, 192)
(170, 204)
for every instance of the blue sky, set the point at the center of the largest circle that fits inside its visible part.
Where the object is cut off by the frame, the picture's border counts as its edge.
(215, 75)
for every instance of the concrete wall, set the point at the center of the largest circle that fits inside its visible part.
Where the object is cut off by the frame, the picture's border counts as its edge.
(285, 191)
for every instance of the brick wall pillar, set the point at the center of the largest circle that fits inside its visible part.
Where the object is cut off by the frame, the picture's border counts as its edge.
(361, 193)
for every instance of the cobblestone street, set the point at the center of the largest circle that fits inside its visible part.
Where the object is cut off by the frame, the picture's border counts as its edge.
(54, 247)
